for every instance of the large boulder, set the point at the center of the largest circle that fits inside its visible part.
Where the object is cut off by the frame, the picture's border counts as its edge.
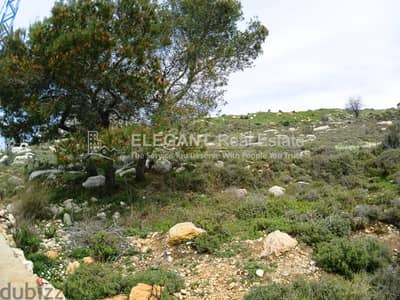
(277, 243)
(184, 232)
(162, 166)
(40, 173)
(277, 191)
(94, 182)
(145, 292)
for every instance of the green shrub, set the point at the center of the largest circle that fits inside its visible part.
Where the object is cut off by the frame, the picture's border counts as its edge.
(92, 282)
(392, 138)
(32, 205)
(251, 210)
(347, 256)
(169, 280)
(207, 243)
(312, 233)
(46, 267)
(385, 284)
(50, 231)
(338, 225)
(325, 289)
(104, 246)
(27, 240)
(79, 253)
(191, 181)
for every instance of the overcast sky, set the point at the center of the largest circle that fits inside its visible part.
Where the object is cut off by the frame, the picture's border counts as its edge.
(318, 54)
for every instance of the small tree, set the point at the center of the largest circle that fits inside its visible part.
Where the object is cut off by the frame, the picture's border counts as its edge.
(354, 105)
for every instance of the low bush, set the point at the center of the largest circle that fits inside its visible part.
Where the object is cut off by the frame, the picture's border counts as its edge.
(46, 268)
(326, 288)
(92, 282)
(207, 243)
(170, 281)
(385, 283)
(79, 253)
(27, 240)
(348, 256)
(33, 205)
(104, 246)
(190, 181)
(392, 138)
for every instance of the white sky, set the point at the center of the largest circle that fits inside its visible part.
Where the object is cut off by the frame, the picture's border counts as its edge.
(319, 53)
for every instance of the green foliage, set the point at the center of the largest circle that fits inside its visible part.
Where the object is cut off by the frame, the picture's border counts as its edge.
(166, 59)
(92, 282)
(207, 243)
(46, 267)
(171, 282)
(326, 288)
(33, 204)
(50, 231)
(27, 240)
(385, 283)
(190, 181)
(79, 253)
(104, 246)
(392, 137)
(349, 256)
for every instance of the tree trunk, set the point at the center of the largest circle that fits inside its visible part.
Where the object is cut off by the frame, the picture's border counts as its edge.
(141, 167)
(110, 175)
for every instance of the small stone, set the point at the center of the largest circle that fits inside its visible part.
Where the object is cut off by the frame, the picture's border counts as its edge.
(277, 191)
(88, 260)
(72, 267)
(260, 273)
(67, 219)
(94, 182)
(116, 216)
(94, 199)
(102, 216)
(219, 164)
(52, 254)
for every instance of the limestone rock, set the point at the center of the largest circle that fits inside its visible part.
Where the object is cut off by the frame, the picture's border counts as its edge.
(67, 219)
(236, 192)
(40, 173)
(94, 181)
(162, 166)
(184, 232)
(277, 191)
(219, 164)
(145, 292)
(88, 260)
(52, 254)
(124, 172)
(72, 267)
(277, 243)
(4, 159)
(321, 128)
